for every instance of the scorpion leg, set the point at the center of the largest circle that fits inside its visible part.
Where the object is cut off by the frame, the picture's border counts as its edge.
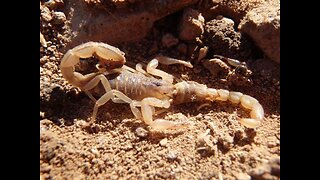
(147, 105)
(168, 61)
(94, 82)
(152, 65)
(151, 69)
(121, 99)
(139, 69)
(115, 95)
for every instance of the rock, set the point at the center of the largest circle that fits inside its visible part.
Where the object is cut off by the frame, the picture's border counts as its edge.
(226, 142)
(43, 41)
(168, 40)
(268, 170)
(45, 14)
(54, 4)
(243, 176)
(223, 39)
(163, 142)
(172, 156)
(262, 24)
(132, 23)
(202, 53)
(140, 132)
(58, 18)
(191, 25)
(95, 151)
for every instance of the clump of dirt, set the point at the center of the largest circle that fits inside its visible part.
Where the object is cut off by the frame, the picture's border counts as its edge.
(118, 146)
(223, 39)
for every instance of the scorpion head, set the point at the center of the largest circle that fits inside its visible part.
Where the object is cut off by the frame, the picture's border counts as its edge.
(161, 89)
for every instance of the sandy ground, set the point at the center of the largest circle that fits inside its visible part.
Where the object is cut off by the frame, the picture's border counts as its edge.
(118, 146)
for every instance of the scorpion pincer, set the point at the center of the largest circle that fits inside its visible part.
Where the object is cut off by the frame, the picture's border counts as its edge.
(139, 88)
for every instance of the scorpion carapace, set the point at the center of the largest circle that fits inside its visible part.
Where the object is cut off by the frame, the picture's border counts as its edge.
(139, 88)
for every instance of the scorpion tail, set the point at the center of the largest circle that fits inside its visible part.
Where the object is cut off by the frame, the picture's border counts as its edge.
(190, 91)
(248, 102)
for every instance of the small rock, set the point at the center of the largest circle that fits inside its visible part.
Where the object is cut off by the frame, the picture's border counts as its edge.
(168, 40)
(271, 144)
(243, 176)
(58, 18)
(140, 132)
(228, 22)
(202, 53)
(42, 115)
(95, 152)
(191, 25)
(45, 169)
(46, 14)
(163, 142)
(172, 155)
(275, 166)
(94, 161)
(43, 41)
(86, 167)
(223, 39)
(239, 134)
(260, 171)
(49, 153)
(226, 142)
(54, 4)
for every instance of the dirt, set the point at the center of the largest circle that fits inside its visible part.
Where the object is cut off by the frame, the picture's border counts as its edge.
(118, 146)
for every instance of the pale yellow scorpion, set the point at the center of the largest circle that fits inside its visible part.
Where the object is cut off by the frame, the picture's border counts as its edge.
(139, 88)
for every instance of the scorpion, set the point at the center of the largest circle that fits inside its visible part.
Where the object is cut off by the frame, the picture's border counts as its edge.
(141, 89)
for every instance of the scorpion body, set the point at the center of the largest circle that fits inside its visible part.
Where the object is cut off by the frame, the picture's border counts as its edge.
(138, 88)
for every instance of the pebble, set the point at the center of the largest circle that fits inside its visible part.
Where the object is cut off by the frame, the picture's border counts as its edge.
(226, 142)
(43, 60)
(243, 176)
(275, 167)
(140, 132)
(202, 53)
(43, 41)
(58, 18)
(95, 152)
(54, 4)
(164, 142)
(172, 155)
(41, 115)
(45, 14)
(45, 169)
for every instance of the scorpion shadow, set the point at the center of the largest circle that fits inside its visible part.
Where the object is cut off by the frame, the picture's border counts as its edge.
(63, 107)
